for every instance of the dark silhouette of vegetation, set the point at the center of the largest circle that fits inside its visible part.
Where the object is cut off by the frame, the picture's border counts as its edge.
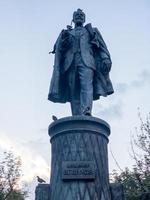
(136, 181)
(10, 174)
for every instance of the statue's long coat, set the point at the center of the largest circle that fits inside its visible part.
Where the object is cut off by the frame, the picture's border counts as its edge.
(64, 54)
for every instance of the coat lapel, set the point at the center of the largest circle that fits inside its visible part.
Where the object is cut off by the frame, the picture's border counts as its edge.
(72, 32)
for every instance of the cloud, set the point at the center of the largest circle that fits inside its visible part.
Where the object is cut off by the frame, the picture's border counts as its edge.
(33, 164)
(142, 80)
(40, 145)
(121, 87)
(113, 111)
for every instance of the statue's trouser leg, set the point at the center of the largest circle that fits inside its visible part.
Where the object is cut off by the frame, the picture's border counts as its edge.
(75, 107)
(73, 82)
(86, 88)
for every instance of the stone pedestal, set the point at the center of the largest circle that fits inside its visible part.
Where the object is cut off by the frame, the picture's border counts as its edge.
(42, 192)
(79, 165)
(117, 192)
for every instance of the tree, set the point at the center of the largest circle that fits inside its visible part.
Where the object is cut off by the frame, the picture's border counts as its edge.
(10, 174)
(136, 181)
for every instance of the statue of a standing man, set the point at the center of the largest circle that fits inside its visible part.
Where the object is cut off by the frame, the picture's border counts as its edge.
(81, 68)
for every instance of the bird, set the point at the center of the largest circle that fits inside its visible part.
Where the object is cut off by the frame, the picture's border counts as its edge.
(54, 117)
(40, 180)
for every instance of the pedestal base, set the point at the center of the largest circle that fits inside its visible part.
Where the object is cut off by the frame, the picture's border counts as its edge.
(79, 167)
(117, 192)
(42, 192)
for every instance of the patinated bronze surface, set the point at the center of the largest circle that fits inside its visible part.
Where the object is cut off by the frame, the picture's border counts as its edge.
(81, 67)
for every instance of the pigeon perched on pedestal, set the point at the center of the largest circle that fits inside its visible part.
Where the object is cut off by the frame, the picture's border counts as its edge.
(54, 117)
(40, 180)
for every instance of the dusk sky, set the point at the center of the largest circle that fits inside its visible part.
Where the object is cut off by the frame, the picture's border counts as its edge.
(28, 31)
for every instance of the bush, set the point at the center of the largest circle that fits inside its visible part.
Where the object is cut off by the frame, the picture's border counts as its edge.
(136, 181)
(10, 174)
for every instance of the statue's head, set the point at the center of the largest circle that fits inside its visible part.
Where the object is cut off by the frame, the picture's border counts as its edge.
(79, 17)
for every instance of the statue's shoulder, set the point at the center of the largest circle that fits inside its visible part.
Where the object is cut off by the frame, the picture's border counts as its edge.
(95, 29)
(72, 31)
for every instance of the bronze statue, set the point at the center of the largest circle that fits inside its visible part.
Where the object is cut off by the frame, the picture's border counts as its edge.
(81, 67)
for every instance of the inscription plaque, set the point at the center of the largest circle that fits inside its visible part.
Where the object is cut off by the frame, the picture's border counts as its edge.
(78, 170)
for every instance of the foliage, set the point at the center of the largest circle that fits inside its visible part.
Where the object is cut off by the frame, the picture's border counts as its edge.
(10, 174)
(136, 181)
